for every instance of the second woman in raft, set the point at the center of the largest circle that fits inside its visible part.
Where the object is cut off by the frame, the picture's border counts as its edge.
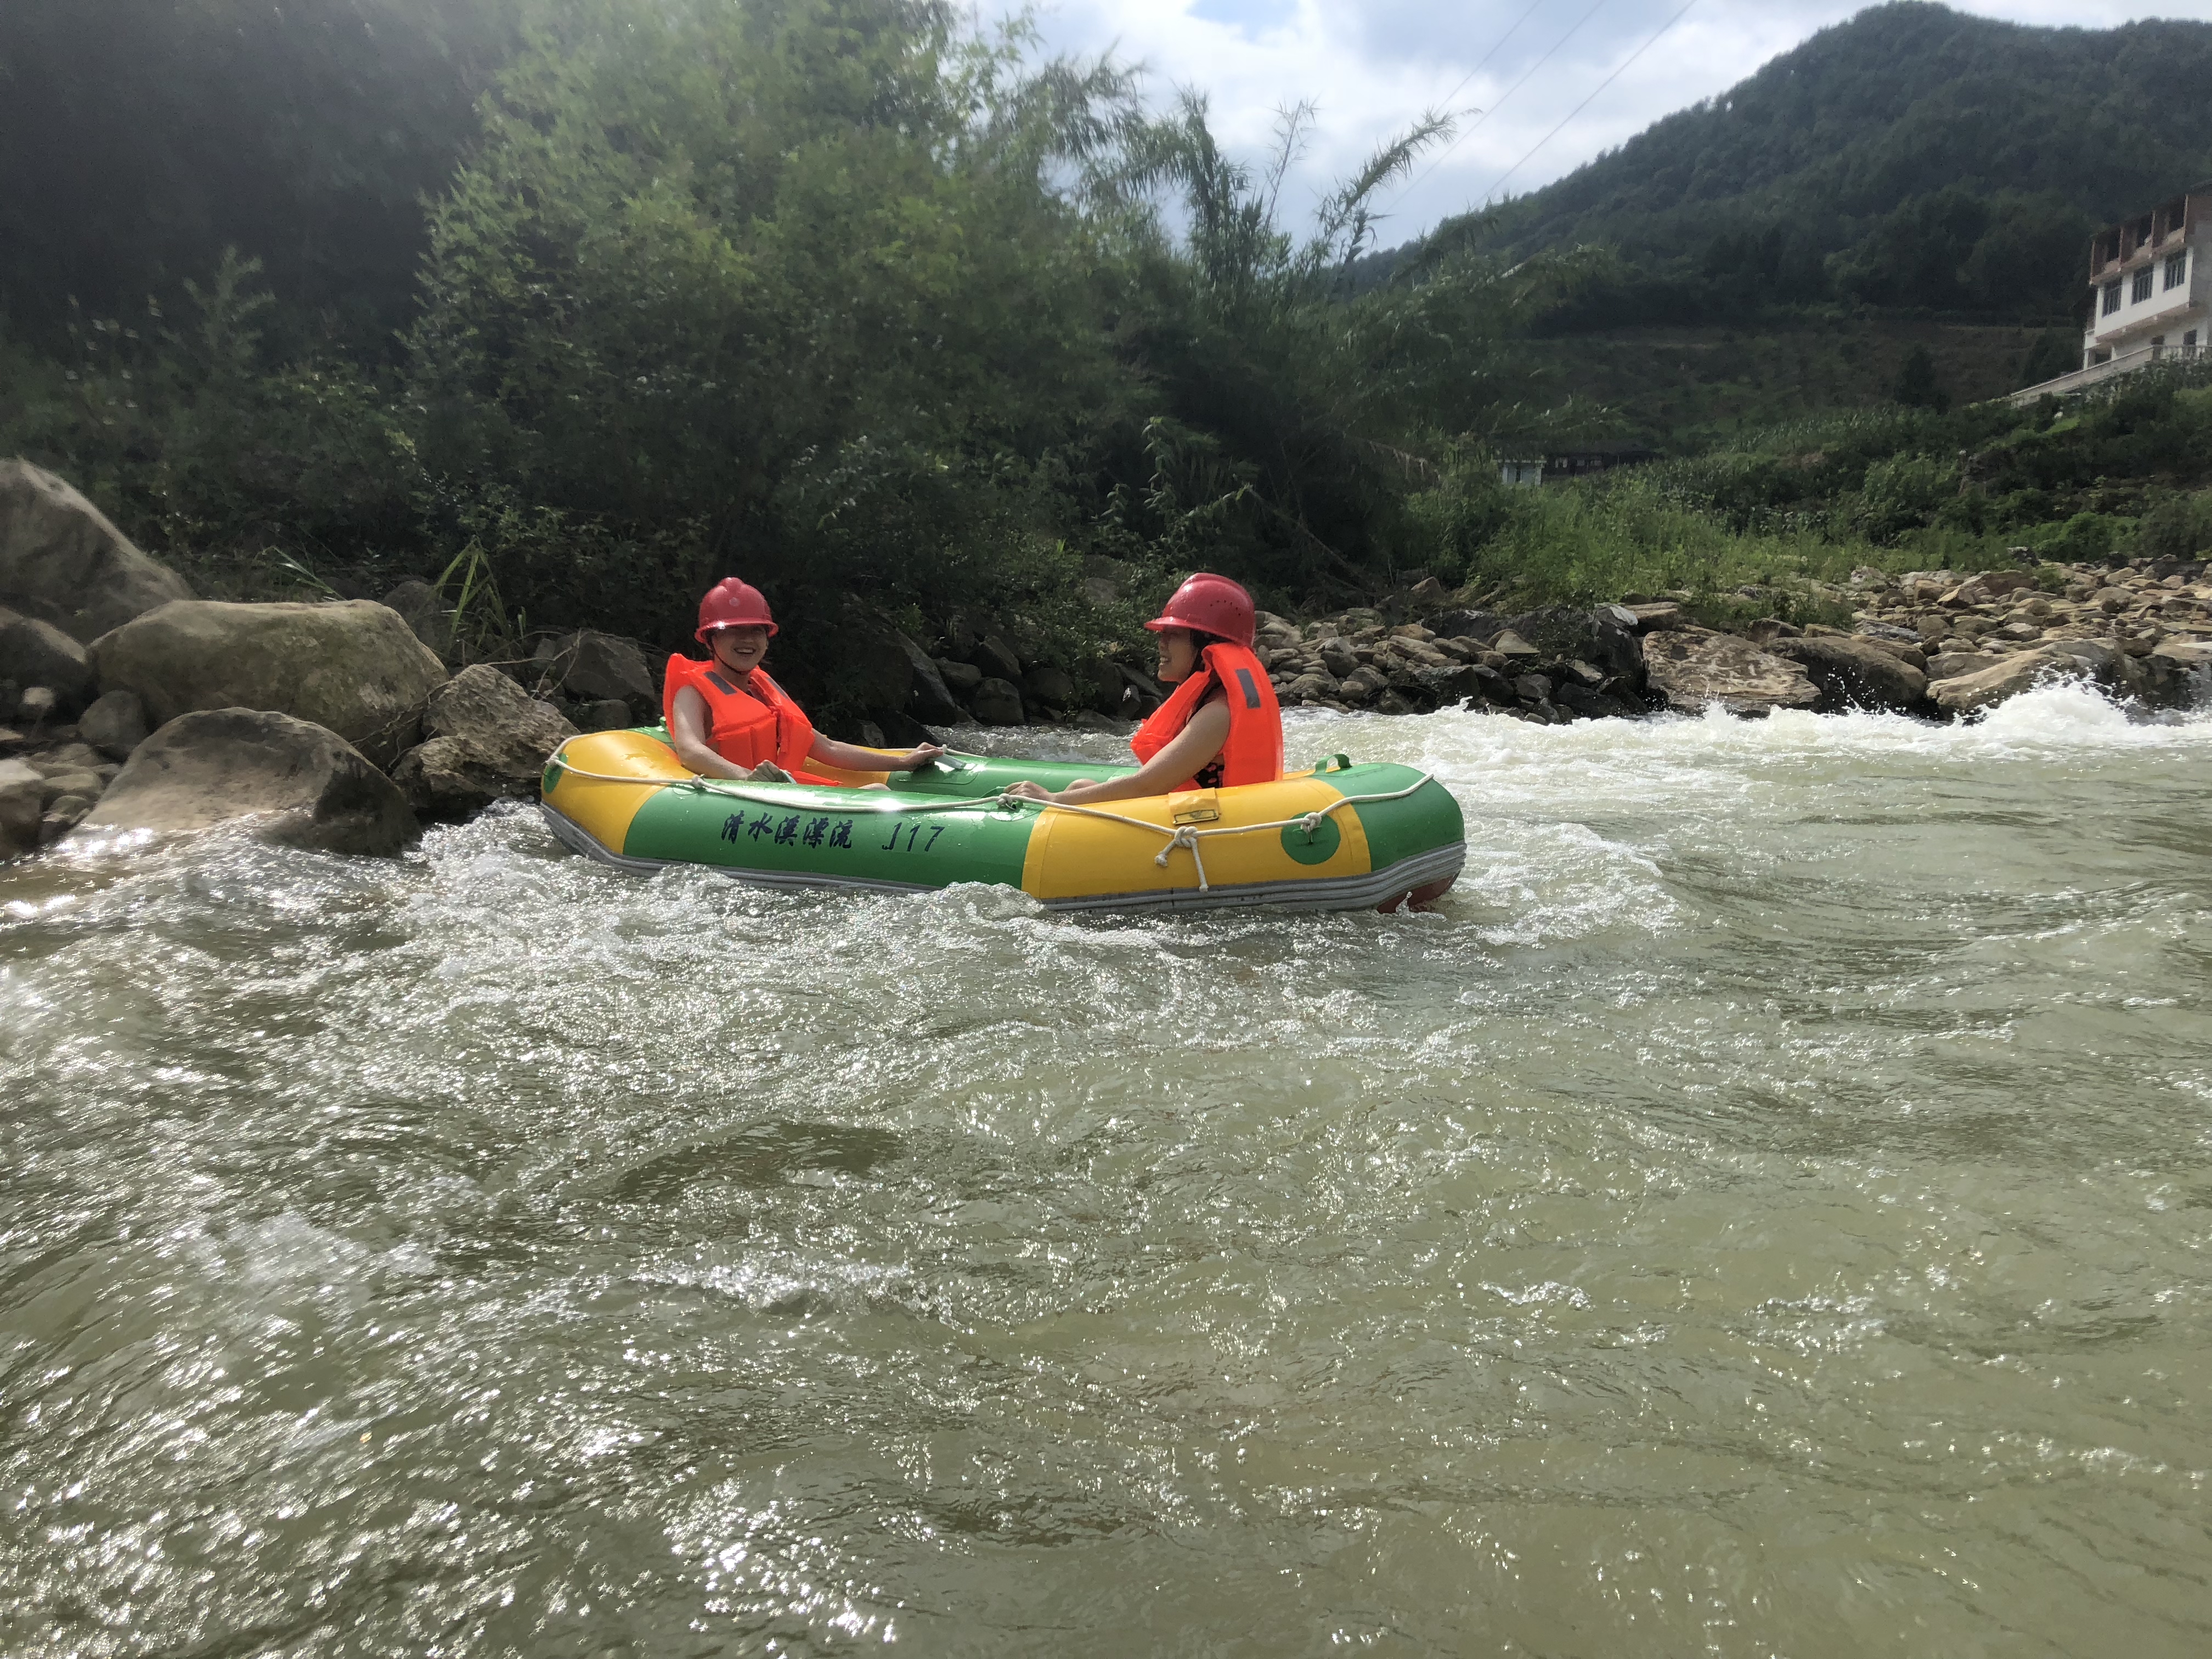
(1221, 728)
(728, 719)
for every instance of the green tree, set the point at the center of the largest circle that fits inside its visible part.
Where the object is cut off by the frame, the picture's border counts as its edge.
(781, 286)
(1917, 386)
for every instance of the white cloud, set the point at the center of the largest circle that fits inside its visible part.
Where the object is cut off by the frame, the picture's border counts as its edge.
(1372, 67)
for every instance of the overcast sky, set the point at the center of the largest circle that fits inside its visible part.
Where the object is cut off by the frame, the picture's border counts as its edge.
(1371, 65)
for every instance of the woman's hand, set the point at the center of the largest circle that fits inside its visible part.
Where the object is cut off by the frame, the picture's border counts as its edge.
(921, 755)
(1028, 791)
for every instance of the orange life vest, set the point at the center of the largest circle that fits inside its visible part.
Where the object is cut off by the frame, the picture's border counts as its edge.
(1254, 751)
(745, 725)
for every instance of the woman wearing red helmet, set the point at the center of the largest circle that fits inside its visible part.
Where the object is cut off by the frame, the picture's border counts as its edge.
(728, 719)
(1222, 727)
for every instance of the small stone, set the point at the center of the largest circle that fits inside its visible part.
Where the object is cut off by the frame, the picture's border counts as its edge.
(64, 815)
(1653, 617)
(56, 785)
(23, 800)
(1951, 664)
(38, 653)
(115, 724)
(1363, 684)
(959, 677)
(997, 701)
(1391, 703)
(1050, 686)
(1511, 644)
(37, 705)
(997, 659)
(1533, 688)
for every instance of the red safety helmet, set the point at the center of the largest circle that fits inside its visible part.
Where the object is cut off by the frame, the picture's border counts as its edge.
(732, 604)
(1209, 604)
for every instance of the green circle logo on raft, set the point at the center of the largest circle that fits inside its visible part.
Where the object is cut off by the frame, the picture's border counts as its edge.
(1318, 847)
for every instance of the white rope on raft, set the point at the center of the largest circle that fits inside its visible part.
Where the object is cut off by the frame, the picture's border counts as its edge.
(1178, 835)
(1188, 834)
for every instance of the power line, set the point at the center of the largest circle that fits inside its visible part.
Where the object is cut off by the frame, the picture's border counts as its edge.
(1500, 103)
(1585, 103)
(1446, 100)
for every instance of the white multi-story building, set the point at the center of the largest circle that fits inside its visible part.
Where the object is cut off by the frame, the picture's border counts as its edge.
(2150, 293)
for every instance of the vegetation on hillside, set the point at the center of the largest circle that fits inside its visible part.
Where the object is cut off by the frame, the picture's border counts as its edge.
(1745, 529)
(1912, 156)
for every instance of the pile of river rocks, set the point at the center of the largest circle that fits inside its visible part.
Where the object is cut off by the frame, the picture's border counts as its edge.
(127, 704)
(1932, 643)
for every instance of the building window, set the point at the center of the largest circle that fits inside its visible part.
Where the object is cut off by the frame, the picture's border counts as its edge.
(2176, 270)
(2112, 298)
(2142, 291)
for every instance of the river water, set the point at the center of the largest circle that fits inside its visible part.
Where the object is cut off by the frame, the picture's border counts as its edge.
(1768, 1210)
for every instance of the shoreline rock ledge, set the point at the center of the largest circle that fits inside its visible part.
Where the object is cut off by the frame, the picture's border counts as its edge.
(309, 787)
(354, 667)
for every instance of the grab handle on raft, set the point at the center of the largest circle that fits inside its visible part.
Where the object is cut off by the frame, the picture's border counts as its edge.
(1332, 763)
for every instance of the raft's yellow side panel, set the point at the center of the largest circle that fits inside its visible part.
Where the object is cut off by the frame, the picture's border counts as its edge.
(1073, 856)
(603, 810)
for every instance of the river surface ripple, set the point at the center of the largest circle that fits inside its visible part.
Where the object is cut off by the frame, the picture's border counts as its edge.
(1768, 1212)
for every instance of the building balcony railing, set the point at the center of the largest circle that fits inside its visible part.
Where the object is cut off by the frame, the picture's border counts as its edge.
(2120, 362)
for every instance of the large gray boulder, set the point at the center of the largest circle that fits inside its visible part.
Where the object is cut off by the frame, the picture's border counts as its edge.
(354, 667)
(306, 786)
(61, 561)
(35, 652)
(1854, 674)
(592, 667)
(2070, 660)
(1693, 668)
(489, 740)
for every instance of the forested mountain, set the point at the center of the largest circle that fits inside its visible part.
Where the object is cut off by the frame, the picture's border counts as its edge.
(138, 138)
(1912, 156)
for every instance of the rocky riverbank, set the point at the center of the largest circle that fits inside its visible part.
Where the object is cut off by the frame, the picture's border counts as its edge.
(1935, 643)
(127, 704)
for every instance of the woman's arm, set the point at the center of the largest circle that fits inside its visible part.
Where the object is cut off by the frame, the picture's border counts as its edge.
(1190, 750)
(851, 758)
(687, 736)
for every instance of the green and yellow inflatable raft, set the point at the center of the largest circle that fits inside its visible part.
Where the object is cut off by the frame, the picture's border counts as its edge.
(1339, 837)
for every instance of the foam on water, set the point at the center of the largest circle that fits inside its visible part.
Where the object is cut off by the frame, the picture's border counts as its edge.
(1760, 1212)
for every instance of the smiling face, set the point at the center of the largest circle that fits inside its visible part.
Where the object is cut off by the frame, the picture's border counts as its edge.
(739, 649)
(1178, 655)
